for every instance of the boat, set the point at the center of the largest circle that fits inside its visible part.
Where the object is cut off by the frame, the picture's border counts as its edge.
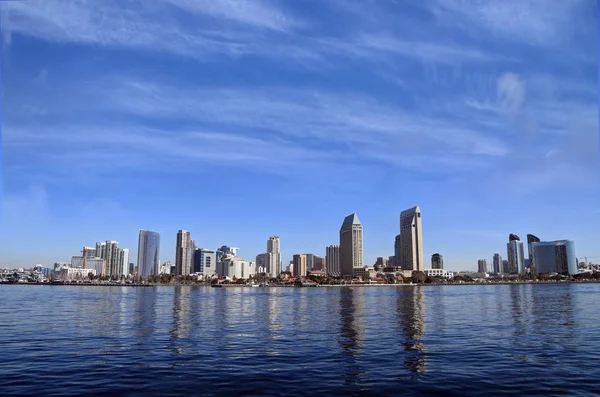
(254, 285)
(217, 285)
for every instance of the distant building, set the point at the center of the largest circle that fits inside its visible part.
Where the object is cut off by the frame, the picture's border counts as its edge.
(554, 257)
(482, 266)
(531, 239)
(261, 261)
(516, 255)
(148, 253)
(438, 273)
(77, 262)
(299, 265)
(124, 262)
(505, 267)
(332, 261)
(497, 264)
(381, 262)
(110, 252)
(318, 264)
(397, 252)
(232, 267)
(69, 273)
(205, 262)
(183, 257)
(310, 262)
(351, 245)
(411, 240)
(273, 264)
(437, 261)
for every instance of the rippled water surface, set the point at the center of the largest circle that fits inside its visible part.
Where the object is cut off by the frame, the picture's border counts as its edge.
(428, 340)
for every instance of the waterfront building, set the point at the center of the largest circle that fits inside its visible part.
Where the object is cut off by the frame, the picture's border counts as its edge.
(381, 262)
(505, 267)
(59, 265)
(318, 264)
(77, 262)
(554, 257)
(148, 253)
(482, 266)
(124, 262)
(531, 239)
(397, 250)
(232, 267)
(351, 245)
(205, 262)
(516, 255)
(437, 261)
(411, 240)
(110, 252)
(261, 261)
(69, 273)
(438, 272)
(183, 259)
(273, 264)
(497, 264)
(300, 265)
(332, 260)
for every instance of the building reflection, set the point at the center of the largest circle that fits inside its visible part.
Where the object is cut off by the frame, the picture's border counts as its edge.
(145, 314)
(410, 307)
(180, 328)
(352, 331)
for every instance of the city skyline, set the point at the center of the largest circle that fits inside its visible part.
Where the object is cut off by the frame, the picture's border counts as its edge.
(295, 114)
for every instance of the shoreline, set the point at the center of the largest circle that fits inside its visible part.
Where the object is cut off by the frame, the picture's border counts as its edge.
(316, 286)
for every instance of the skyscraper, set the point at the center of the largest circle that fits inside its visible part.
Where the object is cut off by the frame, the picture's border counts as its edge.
(204, 262)
(437, 261)
(109, 251)
(332, 260)
(554, 257)
(497, 264)
(148, 253)
(516, 255)
(124, 262)
(411, 240)
(530, 240)
(183, 260)
(397, 254)
(482, 266)
(273, 256)
(351, 245)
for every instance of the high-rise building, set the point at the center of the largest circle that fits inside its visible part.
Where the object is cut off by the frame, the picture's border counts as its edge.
(505, 266)
(310, 262)
(554, 257)
(497, 264)
(411, 240)
(516, 255)
(110, 252)
(299, 267)
(530, 240)
(273, 256)
(351, 245)
(124, 262)
(482, 266)
(319, 263)
(205, 262)
(148, 253)
(183, 259)
(332, 260)
(397, 254)
(261, 263)
(437, 261)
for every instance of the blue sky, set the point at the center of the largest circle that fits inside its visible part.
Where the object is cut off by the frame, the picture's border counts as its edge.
(237, 120)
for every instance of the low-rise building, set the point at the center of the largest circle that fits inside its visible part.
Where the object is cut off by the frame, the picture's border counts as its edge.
(71, 273)
(438, 273)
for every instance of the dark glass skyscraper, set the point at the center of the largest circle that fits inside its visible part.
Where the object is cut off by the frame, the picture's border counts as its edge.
(148, 253)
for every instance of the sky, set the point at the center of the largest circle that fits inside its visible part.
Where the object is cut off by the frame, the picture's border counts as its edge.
(237, 120)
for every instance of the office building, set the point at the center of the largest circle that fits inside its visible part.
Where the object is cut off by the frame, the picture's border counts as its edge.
(81, 262)
(505, 266)
(273, 257)
(332, 260)
(232, 267)
(397, 255)
(148, 253)
(205, 262)
(516, 255)
(381, 262)
(124, 262)
(482, 266)
(261, 263)
(411, 240)
(437, 261)
(299, 265)
(531, 239)
(310, 262)
(319, 263)
(554, 257)
(351, 245)
(497, 264)
(110, 252)
(183, 257)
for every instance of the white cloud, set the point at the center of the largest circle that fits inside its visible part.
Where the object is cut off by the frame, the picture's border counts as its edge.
(510, 92)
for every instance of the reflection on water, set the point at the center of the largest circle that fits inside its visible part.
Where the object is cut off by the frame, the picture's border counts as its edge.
(410, 306)
(352, 331)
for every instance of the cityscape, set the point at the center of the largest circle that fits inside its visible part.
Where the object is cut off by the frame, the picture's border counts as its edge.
(343, 262)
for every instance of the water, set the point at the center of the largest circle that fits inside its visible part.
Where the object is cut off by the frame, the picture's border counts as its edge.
(427, 340)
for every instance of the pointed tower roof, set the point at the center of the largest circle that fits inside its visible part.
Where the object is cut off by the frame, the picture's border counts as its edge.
(350, 220)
